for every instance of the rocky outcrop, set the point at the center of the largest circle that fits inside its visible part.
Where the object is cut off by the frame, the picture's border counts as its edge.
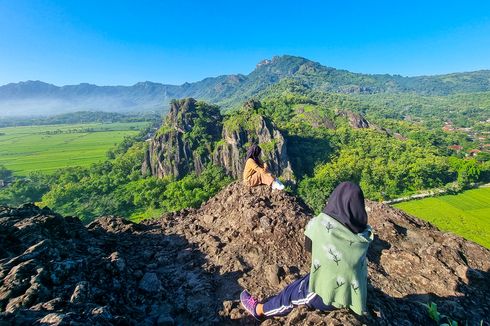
(188, 268)
(356, 120)
(195, 134)
(230, 153)
(314, 118)
(185, 140)
(55, 270)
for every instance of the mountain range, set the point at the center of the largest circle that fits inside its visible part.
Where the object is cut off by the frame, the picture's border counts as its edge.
(39, 98)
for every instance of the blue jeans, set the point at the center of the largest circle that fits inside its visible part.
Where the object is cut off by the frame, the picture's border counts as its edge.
(294, 294)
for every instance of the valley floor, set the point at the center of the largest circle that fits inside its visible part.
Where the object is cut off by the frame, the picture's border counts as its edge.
(466, 214)
(46, 148)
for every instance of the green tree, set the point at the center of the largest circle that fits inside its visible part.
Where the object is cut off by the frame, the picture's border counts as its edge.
(27, 190)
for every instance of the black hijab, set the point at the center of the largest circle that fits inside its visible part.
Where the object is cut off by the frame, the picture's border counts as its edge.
(254, 153)
(346, 205)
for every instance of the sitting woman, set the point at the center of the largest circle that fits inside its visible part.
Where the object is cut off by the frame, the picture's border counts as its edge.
(338, 239)
(256, 173)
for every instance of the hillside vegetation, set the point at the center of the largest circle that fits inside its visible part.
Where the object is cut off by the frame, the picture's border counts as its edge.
(325, 146)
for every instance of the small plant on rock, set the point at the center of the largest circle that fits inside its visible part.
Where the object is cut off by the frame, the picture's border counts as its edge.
(440, 319)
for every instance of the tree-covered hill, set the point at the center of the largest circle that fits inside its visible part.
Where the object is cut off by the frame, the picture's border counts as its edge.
(462, 110)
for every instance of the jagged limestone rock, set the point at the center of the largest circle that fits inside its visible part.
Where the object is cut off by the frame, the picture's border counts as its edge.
(195, 134)
(356, 120)
(230, 153)
(184, 142)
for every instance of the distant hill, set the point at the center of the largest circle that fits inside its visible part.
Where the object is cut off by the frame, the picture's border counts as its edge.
(36, 97)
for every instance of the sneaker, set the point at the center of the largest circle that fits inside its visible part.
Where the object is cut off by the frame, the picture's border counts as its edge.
(249, 303)
(277, 185)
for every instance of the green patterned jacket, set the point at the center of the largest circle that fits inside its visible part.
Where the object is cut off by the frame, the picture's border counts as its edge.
(339, 265)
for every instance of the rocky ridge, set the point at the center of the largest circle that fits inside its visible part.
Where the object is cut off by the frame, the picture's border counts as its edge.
(189, 267)
(195, 134)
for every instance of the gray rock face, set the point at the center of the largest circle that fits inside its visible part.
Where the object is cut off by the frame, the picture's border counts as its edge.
(81, 293)
(355, 120)
(172, 152)
(109, 272)
(52, 319)
(230, 154)
(118, 261)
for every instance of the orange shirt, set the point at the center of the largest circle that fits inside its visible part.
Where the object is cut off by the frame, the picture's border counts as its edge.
(251, 168)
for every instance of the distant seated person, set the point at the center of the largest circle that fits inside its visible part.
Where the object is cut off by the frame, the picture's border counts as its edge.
(256, 172)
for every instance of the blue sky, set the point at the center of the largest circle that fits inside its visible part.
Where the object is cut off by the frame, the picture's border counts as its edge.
(123, 42)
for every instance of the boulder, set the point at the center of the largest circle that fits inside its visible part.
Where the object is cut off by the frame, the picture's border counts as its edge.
(150, 283)
(81, 293)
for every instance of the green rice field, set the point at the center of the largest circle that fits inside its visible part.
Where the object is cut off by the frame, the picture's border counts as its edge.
(466, 214)
(46, 148)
